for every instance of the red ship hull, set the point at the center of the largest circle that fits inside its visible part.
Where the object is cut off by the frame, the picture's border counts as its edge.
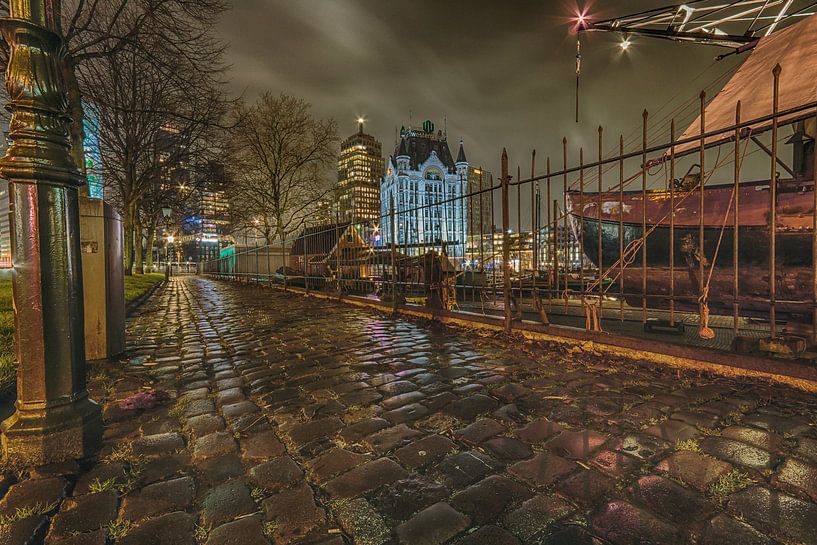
(622, 220)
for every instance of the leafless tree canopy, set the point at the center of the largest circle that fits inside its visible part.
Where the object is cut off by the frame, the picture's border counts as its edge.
(157, 106)
(148, 68)
(278, 158)
(159, 30)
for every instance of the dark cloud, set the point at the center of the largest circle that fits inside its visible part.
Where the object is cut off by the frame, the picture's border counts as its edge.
(501, 72)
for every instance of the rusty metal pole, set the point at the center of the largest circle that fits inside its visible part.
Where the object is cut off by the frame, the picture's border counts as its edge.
(701, 240)
(600, 226)
(283, 259)
(566, 230)
(534, 209)
(581, 219)
(481, 220)
(269, 268)
(54, 418)
(736, 227)
(555, 257)
(773, 208)
(814, 252)
(305, 253)
(672, 224)
(554, 278)
(493, 240)
(470, 242)
(621, 226)
(393, 255)
(506, 243)
(519, 233)
(644, 216)
(338, 234)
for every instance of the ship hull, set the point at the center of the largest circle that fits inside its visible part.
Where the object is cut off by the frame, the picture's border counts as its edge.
(793, 249)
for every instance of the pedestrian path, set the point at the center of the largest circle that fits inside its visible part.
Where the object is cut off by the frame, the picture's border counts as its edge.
(295, 420)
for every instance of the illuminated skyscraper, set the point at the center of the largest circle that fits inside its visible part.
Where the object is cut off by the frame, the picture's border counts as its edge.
(360, 169)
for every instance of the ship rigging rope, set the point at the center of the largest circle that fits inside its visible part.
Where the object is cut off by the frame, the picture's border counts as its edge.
(633, 247)
(704, 331)
(631, 251)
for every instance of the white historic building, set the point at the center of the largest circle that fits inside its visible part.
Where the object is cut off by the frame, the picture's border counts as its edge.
(427, 187)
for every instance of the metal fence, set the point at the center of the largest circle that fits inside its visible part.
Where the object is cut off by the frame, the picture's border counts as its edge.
(677, 237)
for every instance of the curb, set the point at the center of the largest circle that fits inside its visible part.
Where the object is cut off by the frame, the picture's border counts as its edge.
(134, 305)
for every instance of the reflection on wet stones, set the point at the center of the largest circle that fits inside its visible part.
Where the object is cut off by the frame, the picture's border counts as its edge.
(372, 417)
(402, 499)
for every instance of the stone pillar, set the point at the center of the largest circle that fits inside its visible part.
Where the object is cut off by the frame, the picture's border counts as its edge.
(54, 419)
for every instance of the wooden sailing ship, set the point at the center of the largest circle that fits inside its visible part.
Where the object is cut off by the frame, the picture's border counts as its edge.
(671, 217)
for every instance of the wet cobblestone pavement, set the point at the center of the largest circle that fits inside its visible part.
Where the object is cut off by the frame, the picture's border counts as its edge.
(297, 420)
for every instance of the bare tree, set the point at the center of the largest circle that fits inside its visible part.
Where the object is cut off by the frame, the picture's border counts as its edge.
(152, 134)
(99, 29)
(279, 156)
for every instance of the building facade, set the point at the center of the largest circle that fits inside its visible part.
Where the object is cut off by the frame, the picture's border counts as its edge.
(479, 213)
(569, 252)
(360, 169)
(209, 231)
(428, 188)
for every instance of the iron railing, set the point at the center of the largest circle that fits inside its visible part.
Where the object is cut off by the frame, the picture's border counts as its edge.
(688, 238)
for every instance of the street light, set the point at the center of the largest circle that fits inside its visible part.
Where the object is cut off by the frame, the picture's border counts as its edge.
(170, 240)
(54, 419)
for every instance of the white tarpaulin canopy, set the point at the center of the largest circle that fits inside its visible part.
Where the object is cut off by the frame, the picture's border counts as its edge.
(795, 49)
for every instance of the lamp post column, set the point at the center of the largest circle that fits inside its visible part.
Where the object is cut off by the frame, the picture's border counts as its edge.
(54, 419)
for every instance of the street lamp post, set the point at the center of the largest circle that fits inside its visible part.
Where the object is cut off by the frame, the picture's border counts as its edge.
(54, 418)
(169, 255)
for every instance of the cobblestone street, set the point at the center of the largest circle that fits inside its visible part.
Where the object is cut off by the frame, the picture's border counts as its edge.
(300, 420)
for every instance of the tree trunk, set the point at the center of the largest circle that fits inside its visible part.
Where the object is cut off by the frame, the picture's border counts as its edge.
(151, 240)
(127, 224)
(138, 259)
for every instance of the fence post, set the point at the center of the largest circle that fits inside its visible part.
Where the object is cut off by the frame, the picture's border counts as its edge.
(506, 243)
(305, 253)
(338, 276)
(645, 119)
(283, 259)
(773, 208)
(393, 255)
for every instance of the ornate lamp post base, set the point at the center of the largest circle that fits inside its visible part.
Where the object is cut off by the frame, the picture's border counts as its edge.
(55, 434)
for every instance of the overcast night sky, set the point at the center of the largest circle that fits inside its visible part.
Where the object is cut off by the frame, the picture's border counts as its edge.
(502, 72)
